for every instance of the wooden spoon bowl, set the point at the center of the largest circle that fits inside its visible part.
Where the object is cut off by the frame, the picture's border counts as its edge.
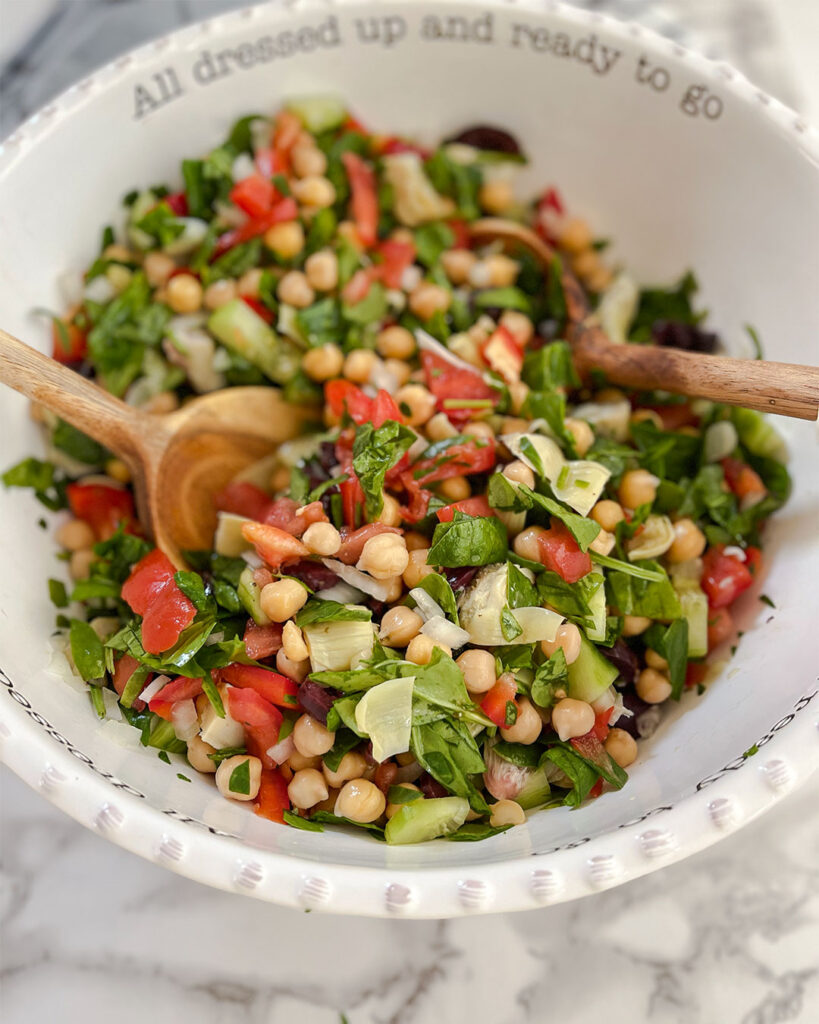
(179, 460)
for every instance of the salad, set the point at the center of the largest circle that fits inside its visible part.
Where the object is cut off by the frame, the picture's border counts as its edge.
(471, 588)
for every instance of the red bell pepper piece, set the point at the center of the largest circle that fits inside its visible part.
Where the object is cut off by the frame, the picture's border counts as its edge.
(453, 383)
(151, 592)
(254, 194)
(742, 479)
(395, 258)
(342, 396)
(383, 409)
(276, 688)
(495, 704)
(364, 202)
(272, 800)
(260, 719)
(102, 507)
(273, 545)
(172, 692)
(720, 626)
(560, 553)
(477, 506)
(458, 460)
(69, 343)
(284, 210)
(243, 499)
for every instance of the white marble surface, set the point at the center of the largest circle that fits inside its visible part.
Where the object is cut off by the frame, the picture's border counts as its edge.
(90, 933)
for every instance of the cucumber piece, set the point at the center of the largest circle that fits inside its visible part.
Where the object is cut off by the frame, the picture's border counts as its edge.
(243, 331)
(319, 113)
(426, 819)
(596, 630)
(228, 538)
(536, 792)
(590, 674)
(694, 606)
(250, 594)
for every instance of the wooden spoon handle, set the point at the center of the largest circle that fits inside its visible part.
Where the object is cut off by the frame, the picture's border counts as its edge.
(769, 387)
(73, 397)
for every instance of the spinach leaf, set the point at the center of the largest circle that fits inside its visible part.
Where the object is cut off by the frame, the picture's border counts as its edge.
(180, 659)
(583, 776)
(342, 713)
(448, 752)
(431, 240)
(520, 591)
(375, 452)
(503, 494)
(616, 457)
(551, 406)
(47, 482)
(549, 677)
(475, 831)
(371, 308)
(504, 298)
(672, 644)
(346, 740)
(570, 599)
(666, 453)
(305, 824)
(58, 593)
(327, 818)
(87, 651)
(634, 596)
(458, 181)
(192, 586)
(550, 367)
(441, 592)
(77, 444)
(468, 540)
(524, 755)
(320, 324)
(317, 610)
(665, 304)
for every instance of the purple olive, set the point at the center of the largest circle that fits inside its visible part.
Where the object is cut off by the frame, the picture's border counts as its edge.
(460, 578)
(623, 659)
(484, 136)
(644, 718)
(317, 700)
(431, 788)
(690, 337)
(314, 574)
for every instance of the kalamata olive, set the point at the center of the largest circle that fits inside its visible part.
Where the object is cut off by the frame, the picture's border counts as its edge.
(547, 331)
(326, 455)
(460, 578)
(623, 659)
(484, 136)
(673, 334)
(317, 700)
(644, 718)
(431, 788)
(314, 574)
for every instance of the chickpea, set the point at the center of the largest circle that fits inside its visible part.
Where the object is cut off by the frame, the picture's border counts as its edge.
(225, 771)
(478, 668)
(634, 625)
(457, 264)
(428, 299)
(638, 487)
(496, 195)
(502, 270)
(286, 240)
(608, 514)
(455, 488)
(519, 326)
(621, 747)
(518, 472)
(298, 762)
(395, 342)
(603, 543)
(567, 639)
(465, 347)
(526, 543)
(158, 268)
(323, 363)
(119, 254)
(293, 643)
(655, 660)
(307, 788)
(600, 279)
(359, 365)
(439, 428)
(322, 539)
(322, 270)
(689, 541)
(419, 401)
(360, 800)
(514, 425)
(643, 415)
(480, 430)
(399, 625)
(311, 738)
(652, 686)
(390, 514)
(184, 293)
(415, 541)
(294, 290)
(582, 434)
(384, 556)
(351, 766)
(518, 393)
(117, 470)
(527, 726)
(197, 755)
(249, 283)
(315, 191)
(586, 264)
(79, 565)
(571, 718)
(75, 535)
(308, 160)
(506, 812)
(393, 809)
(420, 648)
(118, 277)
(417, 567)
(281, 599)
(219, 293)
(394, 587)
(399, 369)
(575, 235)
(349, 232)
(610, 395)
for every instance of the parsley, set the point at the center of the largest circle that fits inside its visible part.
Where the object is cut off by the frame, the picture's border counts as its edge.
(218, 756)
(164, 756)
(184, 778)
(549, 677)
(753, 749)
(431, 240)
(375, 452)
(86, 650)
(550, 367)
(57, 593)
(762, 597)
(510, 627)
(239, 781)
(43, 477)
(672, 644)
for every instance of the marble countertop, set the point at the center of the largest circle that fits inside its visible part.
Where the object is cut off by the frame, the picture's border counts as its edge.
(90, 933)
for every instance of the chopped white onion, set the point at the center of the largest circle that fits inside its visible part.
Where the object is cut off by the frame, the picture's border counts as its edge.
(341, 592)
(383, 379)
(193, 232)
(100, 289)
(732, 551)
(606, 700)
(254, 560)
(411, 278)
(357, 578)
(719, 441)
(427, 607)
(153, 688)
(282, 750)
(396, 300)
(184, 719)
(443, 631)
(243, 167)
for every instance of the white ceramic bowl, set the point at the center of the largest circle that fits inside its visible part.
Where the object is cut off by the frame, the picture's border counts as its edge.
(691, 167)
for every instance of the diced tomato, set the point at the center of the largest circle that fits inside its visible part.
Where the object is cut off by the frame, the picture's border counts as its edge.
(352, 542)
(151, 592)
(269, 162)
(352, 498)
(477, 506)
(596, 789)
(590, 746)
(724, 577)
(720, 627)
(457, 460)
(452, 383)
(417, 507)
(395, 258)
(272, 800)
(286, 133)
(503, 354)
(273, 545)
(601, 724)
(254, 194)
(284, 210)
(753, 560)
(364, 202)
(262, 576)
(676, 416)
(696, 671)
(260, 719)
(495, 703)
(560, 553)
(383, 409)
(342, 396)
(742, 479)
(123, 670)
(276, 688)
(358, 287)
(282, 514)
(460, 229)
(69, 343)
(178, 689)
(259, 308)
(243, 499)
(178, 202)
(353, 124)
(102, 507)
(262, 641)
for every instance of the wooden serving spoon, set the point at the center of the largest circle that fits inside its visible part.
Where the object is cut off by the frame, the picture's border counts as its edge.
(783, 388)
(179, 460)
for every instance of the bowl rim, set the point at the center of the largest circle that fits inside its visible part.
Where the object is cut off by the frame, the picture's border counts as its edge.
(721, 803)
